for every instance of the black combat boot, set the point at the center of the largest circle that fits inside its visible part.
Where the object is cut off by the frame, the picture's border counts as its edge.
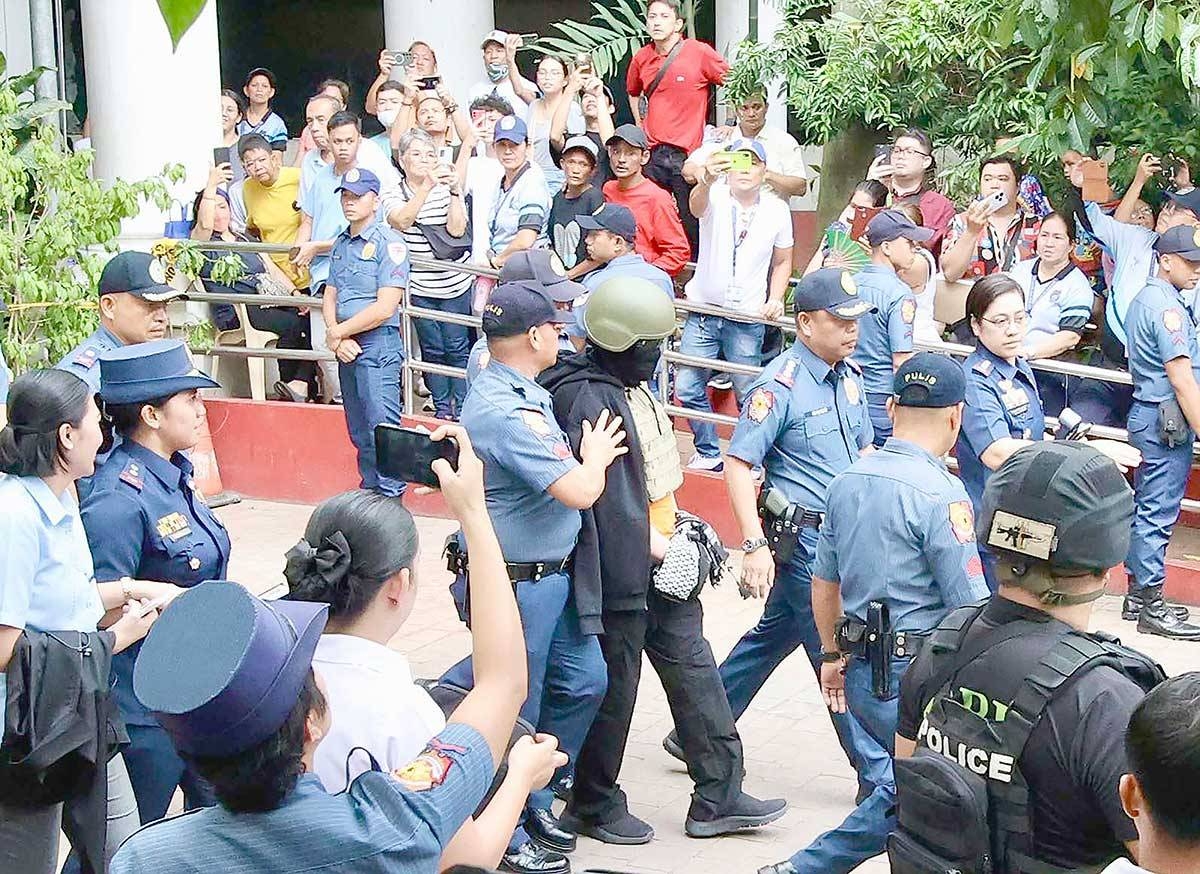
(1157, 617)
(1131, 608)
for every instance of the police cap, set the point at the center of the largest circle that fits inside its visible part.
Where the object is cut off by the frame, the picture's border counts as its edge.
(929, 380)
(833, 290)
(1060, 503)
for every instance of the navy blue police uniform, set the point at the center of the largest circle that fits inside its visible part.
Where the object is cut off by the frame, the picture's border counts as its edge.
(899, 533)
(361, 264)
(145, 519)
(804, 421)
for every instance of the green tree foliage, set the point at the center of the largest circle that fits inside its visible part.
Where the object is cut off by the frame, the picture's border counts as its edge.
(55, 223)
(615, 31)
(1056, 74)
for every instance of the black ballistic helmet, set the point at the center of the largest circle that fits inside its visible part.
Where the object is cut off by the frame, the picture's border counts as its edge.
(1060, 504)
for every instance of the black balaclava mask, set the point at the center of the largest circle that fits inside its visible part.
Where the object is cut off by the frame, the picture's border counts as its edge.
(633, 366)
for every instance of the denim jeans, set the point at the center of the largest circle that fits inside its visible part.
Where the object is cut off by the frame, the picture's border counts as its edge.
(1158, 491)
(446, 344)
(714, 337)
(787, 623)
(561, 662)
(862, 834)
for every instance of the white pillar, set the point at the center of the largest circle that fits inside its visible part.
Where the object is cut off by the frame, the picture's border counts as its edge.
(150, 106)
(454, 28)
(733, 26)
(15, 36)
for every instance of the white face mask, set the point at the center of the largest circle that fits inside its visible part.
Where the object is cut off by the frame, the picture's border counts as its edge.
(387, 117)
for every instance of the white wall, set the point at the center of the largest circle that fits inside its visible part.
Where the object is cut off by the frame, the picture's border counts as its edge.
(150, 106)
(455, 29)
(14, 36)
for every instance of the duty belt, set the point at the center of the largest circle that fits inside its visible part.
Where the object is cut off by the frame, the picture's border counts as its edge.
(853, 640)
(456, 563)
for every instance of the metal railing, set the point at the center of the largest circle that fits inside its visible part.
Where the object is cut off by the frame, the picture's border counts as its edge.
(413, 366)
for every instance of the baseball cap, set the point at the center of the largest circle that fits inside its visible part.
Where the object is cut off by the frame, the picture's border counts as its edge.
(497, 36)
(929, 380)
(891, 224)
(1188, 198)
(1181, 240)
(584, 143)
(748, 145)
(628, 133)
(511, 128)
(546, 269)
(358, 181)
(1060, 502)
(261, 71)
(139, 274)
(610, 217)
(833, 290)
(515, 307)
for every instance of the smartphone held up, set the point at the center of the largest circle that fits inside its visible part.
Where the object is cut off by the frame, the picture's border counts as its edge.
(408, 454)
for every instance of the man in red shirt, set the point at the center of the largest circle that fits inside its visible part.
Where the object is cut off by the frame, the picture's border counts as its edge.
(907, 170)
(660, 236)
(673, 112)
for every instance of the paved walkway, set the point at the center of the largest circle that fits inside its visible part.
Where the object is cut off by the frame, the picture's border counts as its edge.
(790, 747)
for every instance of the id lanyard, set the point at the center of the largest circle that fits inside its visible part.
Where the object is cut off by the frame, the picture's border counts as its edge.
(1038, 289)
(738, 239)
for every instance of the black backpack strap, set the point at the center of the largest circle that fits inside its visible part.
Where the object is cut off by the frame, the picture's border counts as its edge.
(1073, 655)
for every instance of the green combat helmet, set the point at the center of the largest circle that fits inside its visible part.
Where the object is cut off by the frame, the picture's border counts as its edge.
(623, 311)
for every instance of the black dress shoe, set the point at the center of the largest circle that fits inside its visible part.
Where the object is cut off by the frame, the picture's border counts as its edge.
(671, 745)
(529, 858)
(1131, 607)
(285, 392)
(542, 826)
(562, 787)
(747, 812)
(626, 831)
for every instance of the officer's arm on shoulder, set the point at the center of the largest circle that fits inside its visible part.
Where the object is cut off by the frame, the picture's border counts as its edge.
(580, 486)
(115, 530)
(1187, 392)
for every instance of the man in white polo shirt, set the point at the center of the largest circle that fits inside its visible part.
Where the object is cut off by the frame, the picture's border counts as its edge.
(744, 264)
(785, 177)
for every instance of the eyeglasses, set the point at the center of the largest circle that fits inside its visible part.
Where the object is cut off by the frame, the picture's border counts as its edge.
(903, 150)
(1005, 322)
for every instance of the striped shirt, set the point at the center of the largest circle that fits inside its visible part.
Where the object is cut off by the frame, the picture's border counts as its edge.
(435, 210)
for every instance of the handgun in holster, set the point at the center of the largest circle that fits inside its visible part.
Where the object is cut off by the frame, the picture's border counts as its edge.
(1172, 426)
(879, 649)
(456, 563)
(782, 533)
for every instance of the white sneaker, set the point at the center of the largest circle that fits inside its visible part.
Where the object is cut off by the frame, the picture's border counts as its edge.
(705, 462)
(721, 382)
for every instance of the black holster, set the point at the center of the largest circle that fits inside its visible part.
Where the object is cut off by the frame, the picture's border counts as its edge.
(879, 649)
(782, 533)
(1172, 426)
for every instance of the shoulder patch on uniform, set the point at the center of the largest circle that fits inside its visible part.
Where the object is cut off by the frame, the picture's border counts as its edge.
(962, 521)
(428, 770)
(397, 251)
(536, 422)
(87, 356)
(1173, 320)
(561, 451)
(982, 366)
(759, 405)
(787, 373)
(908, 310)
(132, 475)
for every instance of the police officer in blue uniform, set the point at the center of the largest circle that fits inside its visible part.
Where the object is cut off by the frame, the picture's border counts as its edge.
(1164, 358)
(367, 275)
(535, 489)
(885, 338)
(896, 553)
(804, 421)
(145, 520)
(133, 309)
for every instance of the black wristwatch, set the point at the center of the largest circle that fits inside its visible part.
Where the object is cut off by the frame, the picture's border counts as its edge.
(828, 658)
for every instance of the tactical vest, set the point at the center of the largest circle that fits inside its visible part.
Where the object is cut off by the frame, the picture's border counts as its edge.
(962, 804)
(656, 436)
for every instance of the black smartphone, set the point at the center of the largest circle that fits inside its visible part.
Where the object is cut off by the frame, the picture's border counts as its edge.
(884, 151)
(407, 454)
(222, 155)
(429, 83)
